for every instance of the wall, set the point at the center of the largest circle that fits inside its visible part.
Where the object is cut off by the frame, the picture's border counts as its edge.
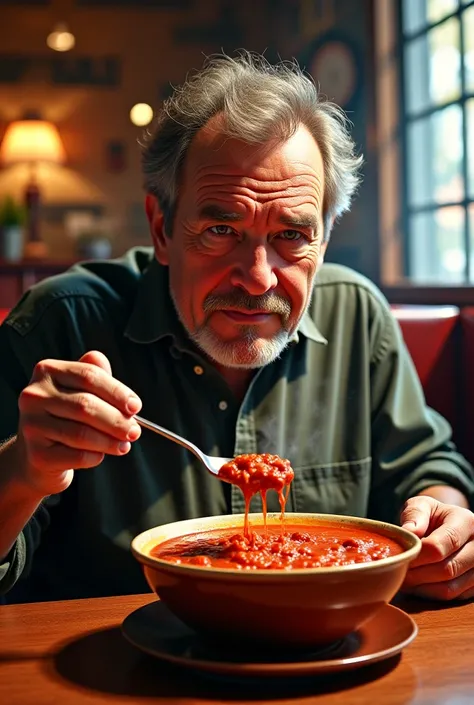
(154, 47)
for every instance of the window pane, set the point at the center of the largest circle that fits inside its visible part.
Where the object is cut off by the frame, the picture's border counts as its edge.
(437, 9)
(433, 68)
(434, 157)
(470, 145)
(417, 84)
(468, 26)
(418, 13)
(445, 61)
(436, 244)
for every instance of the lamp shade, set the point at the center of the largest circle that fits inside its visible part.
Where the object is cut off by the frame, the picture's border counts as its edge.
(32, 141)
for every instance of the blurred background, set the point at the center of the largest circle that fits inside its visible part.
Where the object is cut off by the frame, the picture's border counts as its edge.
(80, 79)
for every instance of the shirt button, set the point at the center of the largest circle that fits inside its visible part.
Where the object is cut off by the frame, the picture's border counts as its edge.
(198, 370)
(223, 405)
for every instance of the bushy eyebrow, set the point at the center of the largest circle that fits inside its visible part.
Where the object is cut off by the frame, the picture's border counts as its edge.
(303, 220)
(214, 212)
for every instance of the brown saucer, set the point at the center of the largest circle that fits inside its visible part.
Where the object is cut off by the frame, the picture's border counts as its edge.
(155, 630)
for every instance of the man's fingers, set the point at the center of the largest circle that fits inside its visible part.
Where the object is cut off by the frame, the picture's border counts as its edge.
(44, 433)
(467, 594)
(416, 514)
(55, 458)
(461, 588)
(85, 377)
(94, 357)
(448, 569)
(455, 528)
(88, 410)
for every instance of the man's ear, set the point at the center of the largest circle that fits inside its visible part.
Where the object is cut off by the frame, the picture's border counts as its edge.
(156, 222)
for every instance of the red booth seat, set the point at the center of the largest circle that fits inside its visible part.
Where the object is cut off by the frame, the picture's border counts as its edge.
(430, 334)
(3, 314)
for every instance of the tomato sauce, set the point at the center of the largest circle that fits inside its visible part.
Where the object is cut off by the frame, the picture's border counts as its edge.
(312, 546)
(255, 473)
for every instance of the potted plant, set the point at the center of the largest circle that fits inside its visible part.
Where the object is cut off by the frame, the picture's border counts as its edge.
(12, 219)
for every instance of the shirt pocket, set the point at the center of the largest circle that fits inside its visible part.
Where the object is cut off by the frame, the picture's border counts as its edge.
(335, 488)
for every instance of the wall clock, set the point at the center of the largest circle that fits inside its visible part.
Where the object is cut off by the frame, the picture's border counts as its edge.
(333, 62)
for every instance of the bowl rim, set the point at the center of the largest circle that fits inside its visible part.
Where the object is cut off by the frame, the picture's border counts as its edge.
(141, 543)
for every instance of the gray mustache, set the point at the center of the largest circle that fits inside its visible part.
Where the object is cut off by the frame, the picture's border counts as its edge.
(270, 303)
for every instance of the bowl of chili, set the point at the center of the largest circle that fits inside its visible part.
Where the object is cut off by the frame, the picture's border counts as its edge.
(306, 583)
(280, 580)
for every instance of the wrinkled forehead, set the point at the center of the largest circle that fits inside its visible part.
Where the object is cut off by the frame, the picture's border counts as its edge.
(212, 152)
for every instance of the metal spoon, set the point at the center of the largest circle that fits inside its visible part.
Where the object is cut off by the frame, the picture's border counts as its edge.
(212, 462)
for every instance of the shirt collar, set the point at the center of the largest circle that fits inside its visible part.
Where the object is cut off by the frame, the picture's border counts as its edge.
(154, 316)
(309, 329)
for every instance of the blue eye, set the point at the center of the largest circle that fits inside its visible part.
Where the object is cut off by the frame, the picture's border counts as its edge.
(221, 230)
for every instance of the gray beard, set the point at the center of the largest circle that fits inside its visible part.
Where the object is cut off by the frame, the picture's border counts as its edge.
(249, 352)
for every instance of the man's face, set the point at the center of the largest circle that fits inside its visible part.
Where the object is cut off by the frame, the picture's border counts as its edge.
(246, 243)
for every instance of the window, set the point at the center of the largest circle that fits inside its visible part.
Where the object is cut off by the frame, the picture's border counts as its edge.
(437, 40)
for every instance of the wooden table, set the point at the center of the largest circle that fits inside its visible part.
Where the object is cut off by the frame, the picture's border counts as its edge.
(73, 652)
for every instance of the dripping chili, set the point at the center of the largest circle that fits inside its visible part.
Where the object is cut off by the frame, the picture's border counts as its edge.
(257, 473)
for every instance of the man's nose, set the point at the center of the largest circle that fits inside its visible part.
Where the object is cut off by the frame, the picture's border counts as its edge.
(254, 270)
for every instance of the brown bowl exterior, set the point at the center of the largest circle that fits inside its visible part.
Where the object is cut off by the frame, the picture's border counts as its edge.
(277, 608)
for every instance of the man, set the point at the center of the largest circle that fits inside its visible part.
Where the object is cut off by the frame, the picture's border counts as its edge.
(231, 333)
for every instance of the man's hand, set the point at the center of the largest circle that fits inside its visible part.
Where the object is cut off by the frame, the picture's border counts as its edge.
(71, 415)
(444, 569)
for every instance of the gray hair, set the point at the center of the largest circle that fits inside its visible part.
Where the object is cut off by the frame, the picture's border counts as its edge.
(260, 102)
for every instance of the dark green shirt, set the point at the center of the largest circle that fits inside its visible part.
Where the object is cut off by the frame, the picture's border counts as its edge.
(343, 403)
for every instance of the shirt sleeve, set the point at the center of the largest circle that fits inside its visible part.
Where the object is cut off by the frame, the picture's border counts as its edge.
(18, 562)
(411, 443)
(13, 379)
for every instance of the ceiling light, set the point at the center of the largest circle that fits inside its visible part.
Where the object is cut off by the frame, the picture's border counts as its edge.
(61, 39)
(141, 114)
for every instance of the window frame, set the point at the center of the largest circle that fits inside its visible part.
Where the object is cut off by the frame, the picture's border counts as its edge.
(407, 212)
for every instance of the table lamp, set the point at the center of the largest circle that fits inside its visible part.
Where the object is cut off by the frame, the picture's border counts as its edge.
(32, 141)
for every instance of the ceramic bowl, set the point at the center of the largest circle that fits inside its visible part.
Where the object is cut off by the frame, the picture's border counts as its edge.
(303, 608)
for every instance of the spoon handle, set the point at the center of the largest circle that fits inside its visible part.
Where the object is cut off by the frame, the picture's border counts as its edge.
(172, 437)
